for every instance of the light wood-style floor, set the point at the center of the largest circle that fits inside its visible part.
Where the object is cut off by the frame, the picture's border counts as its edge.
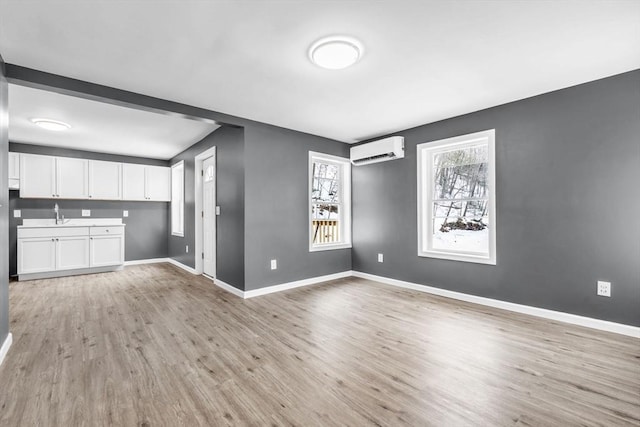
(155, 346)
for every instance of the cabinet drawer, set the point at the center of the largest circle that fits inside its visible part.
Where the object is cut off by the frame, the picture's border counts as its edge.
(25, 233)
(107, 231)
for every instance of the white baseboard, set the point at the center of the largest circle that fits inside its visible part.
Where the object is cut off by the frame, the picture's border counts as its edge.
(603, 325)
(296, 284)
(589, 322)
(227, 287)
(182, 266)
(5, 347)
(160, 260)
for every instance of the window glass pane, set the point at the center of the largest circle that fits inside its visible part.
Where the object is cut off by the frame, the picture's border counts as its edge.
(461, 234)
(325, 211)
(325, 226)
(325, 170)
(452, 210)
(325, 190)
(208, 174)
(461, 174)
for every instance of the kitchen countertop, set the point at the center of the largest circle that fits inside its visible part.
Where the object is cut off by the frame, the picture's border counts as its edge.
(72, 222)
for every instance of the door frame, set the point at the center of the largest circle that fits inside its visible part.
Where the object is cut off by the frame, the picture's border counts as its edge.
(199, 159)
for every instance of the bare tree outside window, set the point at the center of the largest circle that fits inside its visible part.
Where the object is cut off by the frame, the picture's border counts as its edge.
(326, 203)
(461, 195)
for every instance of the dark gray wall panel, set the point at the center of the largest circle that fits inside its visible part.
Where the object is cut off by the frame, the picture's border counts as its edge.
(147, 224)
(568, 167)
(4, 206)
(277, 208)
(229, 143)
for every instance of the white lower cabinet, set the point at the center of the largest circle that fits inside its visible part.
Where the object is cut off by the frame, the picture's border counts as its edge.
(72, 252)
(107, 246)
(59, 251)
(36, 255)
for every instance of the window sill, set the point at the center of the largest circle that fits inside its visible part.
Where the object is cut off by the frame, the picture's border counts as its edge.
(451, 256)
(177, 234)
(319, 248)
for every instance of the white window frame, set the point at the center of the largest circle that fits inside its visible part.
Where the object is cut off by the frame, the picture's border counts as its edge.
(344, 218)
(425, 154)
(177, 200)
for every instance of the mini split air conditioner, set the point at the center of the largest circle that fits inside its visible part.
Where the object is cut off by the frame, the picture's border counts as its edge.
(378, 151)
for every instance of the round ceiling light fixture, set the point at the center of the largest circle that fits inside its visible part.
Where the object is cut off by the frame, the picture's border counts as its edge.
(53, 125)
(335, 52)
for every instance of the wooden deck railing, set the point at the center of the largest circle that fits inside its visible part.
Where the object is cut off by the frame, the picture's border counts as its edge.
(326, 231)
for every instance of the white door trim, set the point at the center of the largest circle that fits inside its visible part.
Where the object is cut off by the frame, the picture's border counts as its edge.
(199, 159)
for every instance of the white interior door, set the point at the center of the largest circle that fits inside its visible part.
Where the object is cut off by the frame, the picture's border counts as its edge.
(209, 216)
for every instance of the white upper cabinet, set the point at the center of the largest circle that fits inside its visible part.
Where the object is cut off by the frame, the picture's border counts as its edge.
(151, 183)
(37, 176)
(48, 177)
(105, 180)
(72, 178)
(14, 171)
(133, 182)
(158, 183)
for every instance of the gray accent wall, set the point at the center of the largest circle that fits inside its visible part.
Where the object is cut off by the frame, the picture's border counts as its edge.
(4, 206)
(277, 207)
(229, 143)
(147, 225)
(568, 170)
(262, 191)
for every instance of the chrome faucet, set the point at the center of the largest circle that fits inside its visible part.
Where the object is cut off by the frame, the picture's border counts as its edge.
(56, 209)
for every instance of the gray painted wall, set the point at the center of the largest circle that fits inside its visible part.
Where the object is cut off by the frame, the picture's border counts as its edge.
(229, 143)
(147, 224)
(277, 207)
(568, 169)
(4, 209)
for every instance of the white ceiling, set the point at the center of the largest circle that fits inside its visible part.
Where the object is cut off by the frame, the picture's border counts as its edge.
(424, 60)
(100, 127)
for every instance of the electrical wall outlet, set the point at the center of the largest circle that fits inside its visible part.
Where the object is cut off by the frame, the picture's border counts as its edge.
(604, 288)
(186, 249)
(86, 212)
(274, 264)
(17, 213)
(380, 257)
(125, 214)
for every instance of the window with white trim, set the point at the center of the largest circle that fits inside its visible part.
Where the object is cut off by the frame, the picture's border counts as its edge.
(456, 198)
(177, 199)
(329, 202)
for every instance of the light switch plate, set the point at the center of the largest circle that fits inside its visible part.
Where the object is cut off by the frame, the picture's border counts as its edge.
(125, 214)
(274, 264)
(217, 210)
(380, 257)
(86, 212)
(17, 213)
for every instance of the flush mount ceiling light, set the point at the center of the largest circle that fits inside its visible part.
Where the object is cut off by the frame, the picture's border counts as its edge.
(49, 124)
(336, 52)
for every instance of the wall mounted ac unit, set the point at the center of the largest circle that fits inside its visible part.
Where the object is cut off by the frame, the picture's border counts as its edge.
(378, 151)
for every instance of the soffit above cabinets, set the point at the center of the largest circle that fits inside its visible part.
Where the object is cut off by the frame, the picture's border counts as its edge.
(422, 61)
(100, 127)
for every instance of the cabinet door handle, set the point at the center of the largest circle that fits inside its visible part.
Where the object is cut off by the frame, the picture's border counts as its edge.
(53, 240)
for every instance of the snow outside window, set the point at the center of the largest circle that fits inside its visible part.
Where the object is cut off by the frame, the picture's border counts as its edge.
(177, 199)
(329, 202)
(456, 198)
